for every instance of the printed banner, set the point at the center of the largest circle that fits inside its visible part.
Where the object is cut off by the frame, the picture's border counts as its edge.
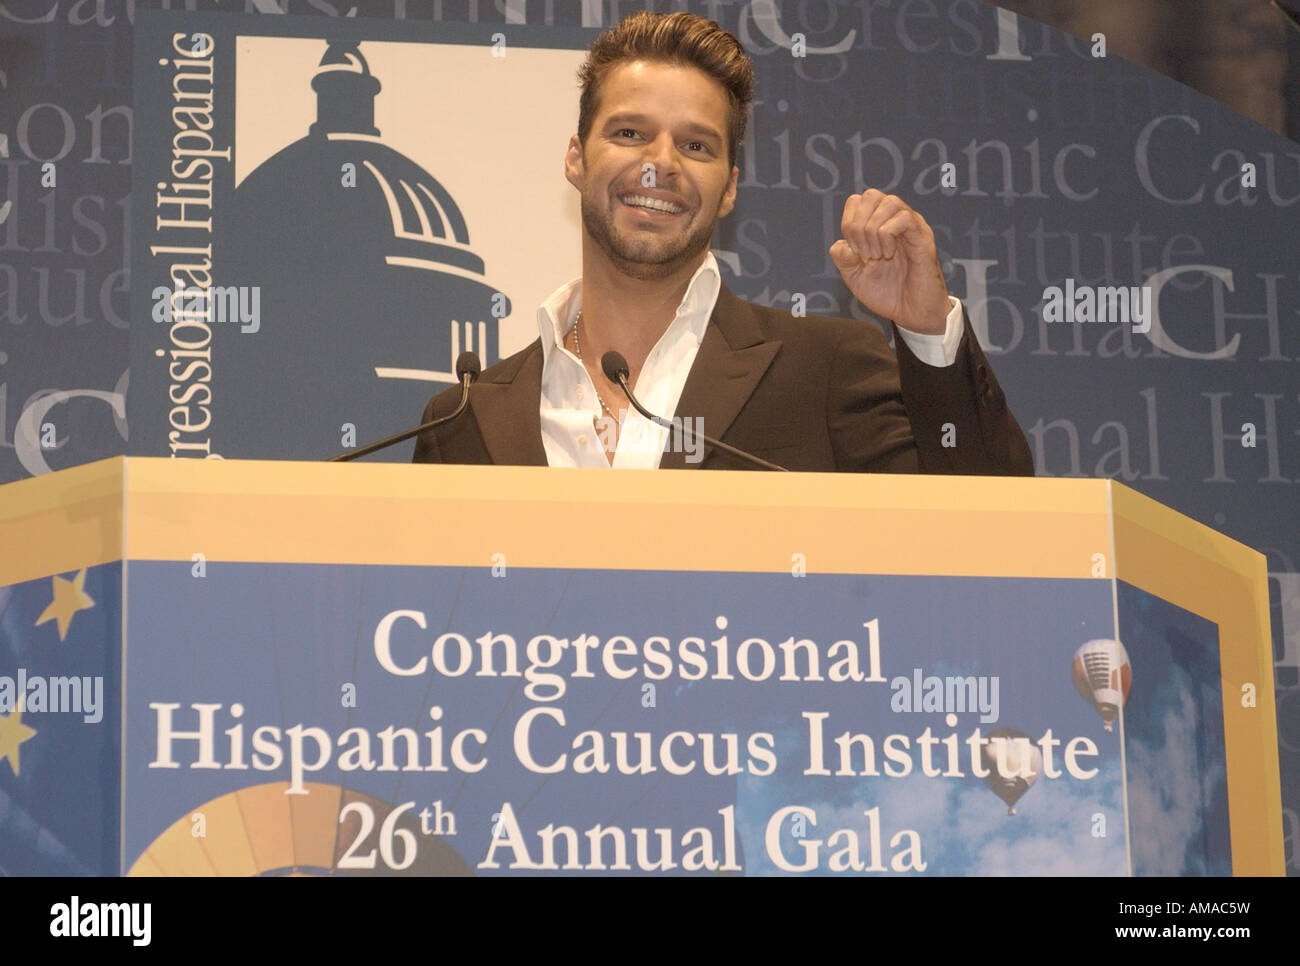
(330, 224)
(61, 723)
(446, 720)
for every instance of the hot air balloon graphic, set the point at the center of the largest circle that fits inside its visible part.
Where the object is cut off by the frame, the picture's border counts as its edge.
(1102, 674)
(1013, 765)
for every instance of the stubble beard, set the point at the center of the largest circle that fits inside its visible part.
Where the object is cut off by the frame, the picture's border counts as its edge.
(645, 258)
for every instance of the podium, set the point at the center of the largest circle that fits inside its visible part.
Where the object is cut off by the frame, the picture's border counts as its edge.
(237, 668)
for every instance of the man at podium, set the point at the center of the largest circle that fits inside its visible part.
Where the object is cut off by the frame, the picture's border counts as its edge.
(663, 110)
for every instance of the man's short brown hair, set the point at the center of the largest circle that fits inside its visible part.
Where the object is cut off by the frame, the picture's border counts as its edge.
(673, 38)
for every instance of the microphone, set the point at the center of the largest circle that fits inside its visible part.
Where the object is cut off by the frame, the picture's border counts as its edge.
(468, 367)
(616, 370)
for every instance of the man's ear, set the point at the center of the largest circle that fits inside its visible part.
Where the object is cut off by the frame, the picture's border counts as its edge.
(729, 196)
(574, 170)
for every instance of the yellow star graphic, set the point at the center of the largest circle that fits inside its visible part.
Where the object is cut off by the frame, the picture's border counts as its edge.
(12, 734)
(68, 599)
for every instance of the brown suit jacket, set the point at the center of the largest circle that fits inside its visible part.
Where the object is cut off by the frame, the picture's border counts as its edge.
(812, 394)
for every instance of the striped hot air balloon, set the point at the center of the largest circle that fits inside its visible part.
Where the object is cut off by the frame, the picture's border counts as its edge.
(1102, 675)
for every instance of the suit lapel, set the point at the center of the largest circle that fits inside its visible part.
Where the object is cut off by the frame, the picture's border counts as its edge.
(508, 412)
(730, 362)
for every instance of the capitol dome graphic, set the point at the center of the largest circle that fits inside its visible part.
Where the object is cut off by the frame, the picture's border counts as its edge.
(369, 286)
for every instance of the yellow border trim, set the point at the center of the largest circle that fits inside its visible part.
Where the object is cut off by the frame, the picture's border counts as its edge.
(1179, 560)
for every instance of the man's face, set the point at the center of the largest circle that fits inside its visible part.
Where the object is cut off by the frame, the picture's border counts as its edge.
(674, 118)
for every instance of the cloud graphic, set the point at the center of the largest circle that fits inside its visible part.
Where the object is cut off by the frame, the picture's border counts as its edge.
(963, 828)
(1172, 780)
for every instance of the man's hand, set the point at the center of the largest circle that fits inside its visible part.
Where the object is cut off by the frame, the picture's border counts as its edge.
(890, 263)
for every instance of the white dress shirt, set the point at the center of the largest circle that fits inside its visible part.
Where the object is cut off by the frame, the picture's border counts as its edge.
(569, 402)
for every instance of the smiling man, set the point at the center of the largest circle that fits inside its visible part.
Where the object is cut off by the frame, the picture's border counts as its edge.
(663, 109)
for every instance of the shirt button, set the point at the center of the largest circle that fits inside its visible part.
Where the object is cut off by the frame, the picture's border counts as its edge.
(579, 392)
(582, 440)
